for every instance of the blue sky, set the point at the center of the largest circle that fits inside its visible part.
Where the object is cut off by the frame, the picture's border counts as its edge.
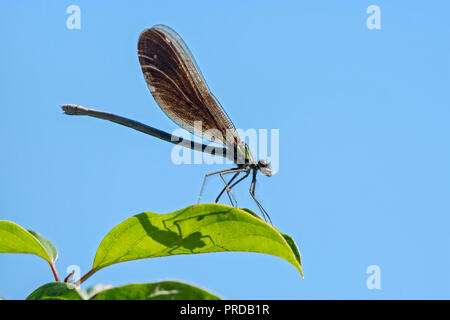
(363, 116)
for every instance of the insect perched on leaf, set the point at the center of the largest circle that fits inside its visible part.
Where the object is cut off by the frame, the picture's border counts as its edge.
(176, 83)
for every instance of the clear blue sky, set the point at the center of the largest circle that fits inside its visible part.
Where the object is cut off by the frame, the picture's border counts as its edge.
(363, 115)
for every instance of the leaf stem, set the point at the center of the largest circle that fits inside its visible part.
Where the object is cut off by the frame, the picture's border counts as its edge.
(86, 276)
(55, 273)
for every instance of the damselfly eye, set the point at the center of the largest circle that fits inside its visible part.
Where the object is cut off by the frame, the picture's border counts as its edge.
(262, 163)
(264, 168)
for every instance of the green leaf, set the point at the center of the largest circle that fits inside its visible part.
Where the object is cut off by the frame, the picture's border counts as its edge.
(195, 229)
(15, 239)
(293, 246)
(56, 291)
(164, 290)
(48, 246)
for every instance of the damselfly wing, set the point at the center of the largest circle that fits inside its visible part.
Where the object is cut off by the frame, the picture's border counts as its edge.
(176, 83)
(178, 86)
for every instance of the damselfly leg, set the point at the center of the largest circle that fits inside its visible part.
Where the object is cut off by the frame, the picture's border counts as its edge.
(221, 173)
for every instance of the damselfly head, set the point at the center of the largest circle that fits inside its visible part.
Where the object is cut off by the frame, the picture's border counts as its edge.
(264, 167)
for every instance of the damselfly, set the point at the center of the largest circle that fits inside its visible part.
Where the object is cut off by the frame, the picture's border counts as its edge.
(177, 85)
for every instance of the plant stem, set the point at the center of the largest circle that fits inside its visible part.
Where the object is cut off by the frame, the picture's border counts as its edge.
(55, 273)
(87, 275)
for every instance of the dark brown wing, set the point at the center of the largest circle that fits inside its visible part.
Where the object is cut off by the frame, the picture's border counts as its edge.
(178, 87)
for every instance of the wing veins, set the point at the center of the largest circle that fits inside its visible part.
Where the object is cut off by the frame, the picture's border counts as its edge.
(170, 79)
